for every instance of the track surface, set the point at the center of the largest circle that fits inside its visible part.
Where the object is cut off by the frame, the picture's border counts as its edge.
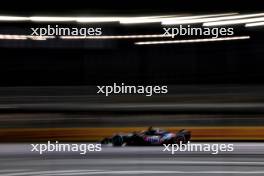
(247, 159)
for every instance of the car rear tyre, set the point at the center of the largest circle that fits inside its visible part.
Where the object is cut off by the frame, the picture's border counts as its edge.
(180, 139)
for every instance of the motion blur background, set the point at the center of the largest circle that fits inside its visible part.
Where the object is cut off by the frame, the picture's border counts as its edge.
(48, 87)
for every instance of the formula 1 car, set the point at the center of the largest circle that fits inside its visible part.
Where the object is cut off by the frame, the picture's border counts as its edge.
(149, 137)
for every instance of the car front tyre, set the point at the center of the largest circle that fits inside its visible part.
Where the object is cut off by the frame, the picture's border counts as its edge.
(118, 140)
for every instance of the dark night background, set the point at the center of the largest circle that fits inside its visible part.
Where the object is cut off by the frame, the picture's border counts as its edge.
(46, 63)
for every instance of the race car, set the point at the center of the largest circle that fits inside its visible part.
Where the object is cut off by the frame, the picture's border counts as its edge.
(152, 136)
